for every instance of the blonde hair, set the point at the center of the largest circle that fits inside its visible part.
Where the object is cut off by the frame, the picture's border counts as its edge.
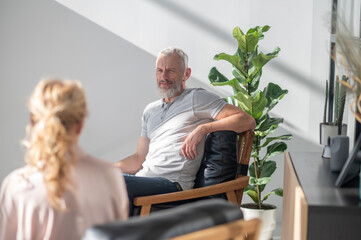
(56, 107)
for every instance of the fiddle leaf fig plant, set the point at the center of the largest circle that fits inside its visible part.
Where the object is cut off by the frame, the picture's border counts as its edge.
(247, 64)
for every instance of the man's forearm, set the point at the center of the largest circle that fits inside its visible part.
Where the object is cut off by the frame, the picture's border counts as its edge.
(129, 165)
(239, 122)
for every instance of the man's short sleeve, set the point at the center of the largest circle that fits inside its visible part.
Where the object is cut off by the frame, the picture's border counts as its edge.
(143, 132)
(207, 104)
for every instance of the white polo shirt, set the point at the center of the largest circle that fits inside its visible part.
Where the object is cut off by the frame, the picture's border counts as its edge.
(167, 125)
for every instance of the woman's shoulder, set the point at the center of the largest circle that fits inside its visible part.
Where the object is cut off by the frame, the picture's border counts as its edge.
(21, 180)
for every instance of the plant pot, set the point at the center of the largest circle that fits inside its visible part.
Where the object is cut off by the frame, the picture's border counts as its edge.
(267, 216)
(328, 131)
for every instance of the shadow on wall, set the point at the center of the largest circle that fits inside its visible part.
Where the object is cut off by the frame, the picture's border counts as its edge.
(219, 33)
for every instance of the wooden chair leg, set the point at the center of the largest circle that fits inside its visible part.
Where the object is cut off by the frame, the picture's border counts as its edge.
(239, 194)
(145, 210)
(231, 196)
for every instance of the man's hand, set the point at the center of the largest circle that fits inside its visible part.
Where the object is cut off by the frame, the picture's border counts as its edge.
(133, 163)
(189, 148)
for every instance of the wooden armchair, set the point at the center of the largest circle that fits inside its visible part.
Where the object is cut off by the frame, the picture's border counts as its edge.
(233, 189)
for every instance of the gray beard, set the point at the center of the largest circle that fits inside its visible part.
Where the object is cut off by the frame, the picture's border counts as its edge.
(171, 92)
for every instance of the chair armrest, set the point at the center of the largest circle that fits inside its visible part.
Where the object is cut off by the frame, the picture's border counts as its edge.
(232, 185)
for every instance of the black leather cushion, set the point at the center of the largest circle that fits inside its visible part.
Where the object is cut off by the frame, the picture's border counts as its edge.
(219, 162)
(169, 223)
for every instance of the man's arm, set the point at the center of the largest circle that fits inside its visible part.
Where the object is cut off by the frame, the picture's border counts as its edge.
(133, 163)
(229, 118)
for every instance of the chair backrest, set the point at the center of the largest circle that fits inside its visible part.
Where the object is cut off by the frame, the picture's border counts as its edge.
(226, 157)
(245, 142)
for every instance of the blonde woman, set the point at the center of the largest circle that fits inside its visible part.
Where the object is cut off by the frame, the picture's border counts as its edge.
(61, 191)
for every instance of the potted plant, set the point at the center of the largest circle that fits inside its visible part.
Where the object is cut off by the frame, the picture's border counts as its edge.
(247, 64)
(330, 129)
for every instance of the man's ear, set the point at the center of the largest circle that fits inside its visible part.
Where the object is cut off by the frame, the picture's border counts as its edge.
(187, 74)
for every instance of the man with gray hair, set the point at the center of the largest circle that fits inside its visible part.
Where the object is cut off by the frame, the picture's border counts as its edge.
(171, 144)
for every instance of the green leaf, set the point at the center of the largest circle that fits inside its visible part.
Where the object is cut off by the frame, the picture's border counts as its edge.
(249, 58)
(233, 83)
(263, 134)
(253, 106)
(241, 38)
(246, 42)
(260, 30)
(215, 76)
(231, 100)
(259, 181)
(243, 56)
(253, 195)
(274, 149)
(244, 101)
(254, 82)
(218, 79)
(252, 41)
(252, 188)
(274, 94)
(267, 169)
(261, 120)
(259, 103)
(261, 59)
(277, 192)
(241, 79)
(265, 28)
(270, 122)
(283, 137)
(234, 60)
(268, 126)
(251, 170)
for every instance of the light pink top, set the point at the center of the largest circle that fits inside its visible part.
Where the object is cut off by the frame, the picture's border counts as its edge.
(100, 196)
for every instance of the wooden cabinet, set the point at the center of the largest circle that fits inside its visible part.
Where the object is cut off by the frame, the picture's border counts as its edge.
(312, 207)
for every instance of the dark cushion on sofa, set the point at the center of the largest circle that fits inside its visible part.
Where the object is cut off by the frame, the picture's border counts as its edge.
(219, 163)
(169, 223)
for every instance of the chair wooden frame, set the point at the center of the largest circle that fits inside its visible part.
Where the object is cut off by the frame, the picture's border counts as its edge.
(238, 230)
(233, 189)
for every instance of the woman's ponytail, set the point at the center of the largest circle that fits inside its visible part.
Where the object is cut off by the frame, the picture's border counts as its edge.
(57, 108)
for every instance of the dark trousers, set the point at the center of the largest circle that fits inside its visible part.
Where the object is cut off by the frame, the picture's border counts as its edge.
(145, 186)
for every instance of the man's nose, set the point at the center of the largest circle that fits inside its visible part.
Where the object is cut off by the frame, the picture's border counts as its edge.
(164, 75)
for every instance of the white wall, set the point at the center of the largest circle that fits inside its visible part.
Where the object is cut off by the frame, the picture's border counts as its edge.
(41, 38)
(114, 58)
